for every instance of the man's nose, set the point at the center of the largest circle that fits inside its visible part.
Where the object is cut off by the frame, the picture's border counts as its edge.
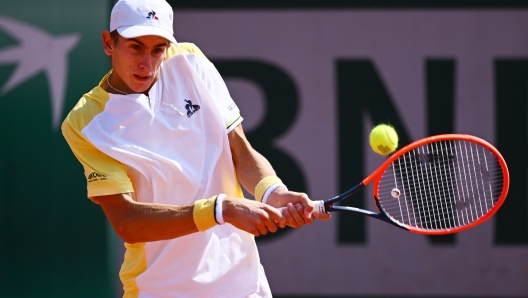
(146, 62)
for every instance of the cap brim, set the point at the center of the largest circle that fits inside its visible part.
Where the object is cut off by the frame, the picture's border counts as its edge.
(137, 31)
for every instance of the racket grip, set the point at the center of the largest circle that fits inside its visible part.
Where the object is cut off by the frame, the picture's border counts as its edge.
(319, 207)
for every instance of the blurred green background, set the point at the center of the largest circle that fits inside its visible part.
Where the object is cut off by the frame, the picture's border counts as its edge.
(53, 239)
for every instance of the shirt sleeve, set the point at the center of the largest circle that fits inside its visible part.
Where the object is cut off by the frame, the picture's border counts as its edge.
(213, 81)
(224, 103)
(104, 175)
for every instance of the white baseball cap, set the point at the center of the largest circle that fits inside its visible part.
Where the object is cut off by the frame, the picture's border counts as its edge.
(134, 18)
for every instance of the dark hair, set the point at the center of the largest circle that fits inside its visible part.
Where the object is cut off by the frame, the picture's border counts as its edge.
(115, 36)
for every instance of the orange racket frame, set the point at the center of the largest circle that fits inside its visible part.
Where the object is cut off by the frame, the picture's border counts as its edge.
(329, 205)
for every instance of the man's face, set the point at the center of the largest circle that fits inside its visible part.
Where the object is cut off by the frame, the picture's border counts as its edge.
(135, 61)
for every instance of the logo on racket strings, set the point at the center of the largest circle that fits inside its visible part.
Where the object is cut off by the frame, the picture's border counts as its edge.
(435, 157)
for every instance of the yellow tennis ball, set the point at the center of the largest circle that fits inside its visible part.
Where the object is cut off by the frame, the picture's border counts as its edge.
(383, 139)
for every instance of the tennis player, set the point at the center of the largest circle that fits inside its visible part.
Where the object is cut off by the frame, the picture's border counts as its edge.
(163, 151)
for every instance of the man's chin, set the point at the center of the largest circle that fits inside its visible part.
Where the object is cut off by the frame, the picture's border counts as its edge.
(141, 88)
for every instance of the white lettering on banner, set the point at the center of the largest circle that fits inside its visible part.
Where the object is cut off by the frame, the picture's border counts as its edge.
(307, 45)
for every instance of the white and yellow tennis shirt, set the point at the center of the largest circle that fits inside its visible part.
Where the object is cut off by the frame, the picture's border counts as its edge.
(170, 148)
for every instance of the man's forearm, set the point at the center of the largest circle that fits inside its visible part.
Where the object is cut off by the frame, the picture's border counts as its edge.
(142, 222)
(251, 169)
(145, 222)
(250, 165)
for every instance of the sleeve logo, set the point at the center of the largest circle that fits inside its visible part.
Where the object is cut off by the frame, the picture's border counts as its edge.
(94, 176)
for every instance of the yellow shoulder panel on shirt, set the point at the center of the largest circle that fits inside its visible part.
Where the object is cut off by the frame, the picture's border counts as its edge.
(104, 175)
(182, 48)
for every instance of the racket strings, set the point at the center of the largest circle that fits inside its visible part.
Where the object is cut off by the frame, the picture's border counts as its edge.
(442, 185)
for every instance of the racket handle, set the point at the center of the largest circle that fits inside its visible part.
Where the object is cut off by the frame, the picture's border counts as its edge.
(319, 207)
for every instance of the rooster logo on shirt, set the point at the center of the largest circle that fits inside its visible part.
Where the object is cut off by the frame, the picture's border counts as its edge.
(191, 109)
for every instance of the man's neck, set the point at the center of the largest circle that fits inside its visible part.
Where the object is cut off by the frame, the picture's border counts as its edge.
(111, 88)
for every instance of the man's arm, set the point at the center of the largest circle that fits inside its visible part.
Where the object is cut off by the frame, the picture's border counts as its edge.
(252, 167)
(144, 222)
(141, 222)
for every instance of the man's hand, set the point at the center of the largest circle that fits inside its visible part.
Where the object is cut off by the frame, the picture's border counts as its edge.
(252, 216)
(298, 208)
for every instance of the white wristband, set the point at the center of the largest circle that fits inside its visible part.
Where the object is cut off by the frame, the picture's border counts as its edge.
(270, 190)
(218, 209)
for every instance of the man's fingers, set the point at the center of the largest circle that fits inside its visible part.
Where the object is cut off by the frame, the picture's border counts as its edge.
(298, 214)
(271, 226)
(287, 215)
(306, 219)
(295, 220)
(253, 217)
(262, 229)
(322, 216)
(269, 218)
(277, 218)
(304, 205)
(308, 208)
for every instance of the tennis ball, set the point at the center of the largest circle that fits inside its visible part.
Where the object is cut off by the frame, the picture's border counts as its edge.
(383, 139)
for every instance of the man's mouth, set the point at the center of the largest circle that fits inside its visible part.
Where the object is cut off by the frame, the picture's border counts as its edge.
(142, 78)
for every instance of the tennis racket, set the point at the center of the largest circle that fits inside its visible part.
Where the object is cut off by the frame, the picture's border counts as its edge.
(437, 185)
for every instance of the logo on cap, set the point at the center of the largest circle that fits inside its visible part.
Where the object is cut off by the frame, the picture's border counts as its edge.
(152, 15)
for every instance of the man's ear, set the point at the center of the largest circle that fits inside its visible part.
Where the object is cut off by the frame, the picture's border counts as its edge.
(108, 43)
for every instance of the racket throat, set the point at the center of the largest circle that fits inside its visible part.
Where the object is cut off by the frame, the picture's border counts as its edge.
(383, 216)
(380, 216)
(346, 194)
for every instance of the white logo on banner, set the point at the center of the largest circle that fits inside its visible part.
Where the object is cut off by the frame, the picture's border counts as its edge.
(38, 51)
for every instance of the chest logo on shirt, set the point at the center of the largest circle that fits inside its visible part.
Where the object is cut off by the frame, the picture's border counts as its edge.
(191, 109)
